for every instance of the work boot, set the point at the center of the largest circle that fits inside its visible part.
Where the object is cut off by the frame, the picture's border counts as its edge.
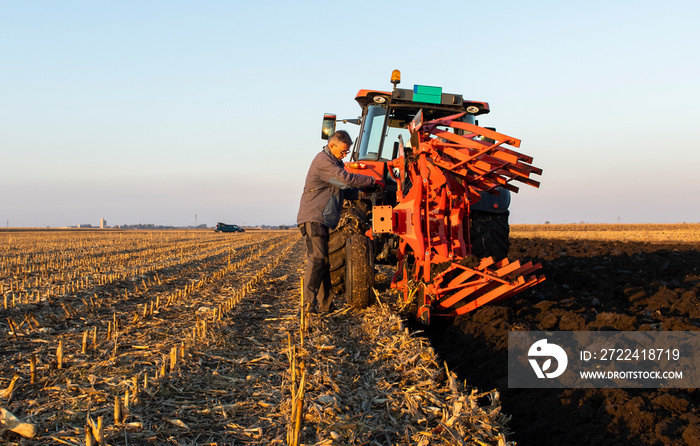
(310, 309)
(329, 310)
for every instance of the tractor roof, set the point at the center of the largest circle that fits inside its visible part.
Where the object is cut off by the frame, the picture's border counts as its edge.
(421, 96)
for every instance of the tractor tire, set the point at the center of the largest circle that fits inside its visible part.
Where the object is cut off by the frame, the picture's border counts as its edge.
(359, 271)
(353, 221)
(336, 255)
(490, 234)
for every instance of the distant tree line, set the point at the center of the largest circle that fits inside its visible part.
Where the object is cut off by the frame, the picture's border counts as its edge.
(277, 226)
(202, 226)
(152, 226)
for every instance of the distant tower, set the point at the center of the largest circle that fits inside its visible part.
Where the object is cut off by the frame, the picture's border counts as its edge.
(103, 223)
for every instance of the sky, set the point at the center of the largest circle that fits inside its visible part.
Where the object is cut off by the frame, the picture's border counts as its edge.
(184, 112)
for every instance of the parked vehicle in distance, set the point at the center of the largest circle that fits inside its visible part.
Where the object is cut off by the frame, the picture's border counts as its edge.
(223, 227)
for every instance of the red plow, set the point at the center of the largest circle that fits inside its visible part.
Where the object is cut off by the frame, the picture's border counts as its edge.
(440, 175)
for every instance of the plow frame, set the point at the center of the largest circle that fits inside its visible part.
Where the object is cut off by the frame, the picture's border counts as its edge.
(447, 171)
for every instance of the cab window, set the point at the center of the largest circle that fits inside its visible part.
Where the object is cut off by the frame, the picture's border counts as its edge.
(370, 140)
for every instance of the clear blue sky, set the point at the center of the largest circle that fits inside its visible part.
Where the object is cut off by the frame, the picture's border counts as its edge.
(154, 111)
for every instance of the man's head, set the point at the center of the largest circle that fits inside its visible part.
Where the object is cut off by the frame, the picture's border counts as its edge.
(339, 144)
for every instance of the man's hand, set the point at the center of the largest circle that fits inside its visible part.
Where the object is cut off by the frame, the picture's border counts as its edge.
(378, 186)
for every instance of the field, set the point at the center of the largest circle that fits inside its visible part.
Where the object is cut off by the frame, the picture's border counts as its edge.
(599, 277)
(191, 337)
(681, 233)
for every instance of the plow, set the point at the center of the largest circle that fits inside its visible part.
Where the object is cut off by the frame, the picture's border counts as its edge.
(442, 220)
(447, 173)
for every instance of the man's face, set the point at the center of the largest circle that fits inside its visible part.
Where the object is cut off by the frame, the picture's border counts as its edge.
(339, 149)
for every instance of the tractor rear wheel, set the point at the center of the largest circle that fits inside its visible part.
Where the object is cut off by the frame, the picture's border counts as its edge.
(354, 220)
(359, 271)
(490, 234)
(336, 254)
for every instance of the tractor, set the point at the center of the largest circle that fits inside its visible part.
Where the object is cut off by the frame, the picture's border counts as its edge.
(442, 219)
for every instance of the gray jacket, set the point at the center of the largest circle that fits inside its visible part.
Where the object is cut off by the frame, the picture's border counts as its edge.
(322, 199)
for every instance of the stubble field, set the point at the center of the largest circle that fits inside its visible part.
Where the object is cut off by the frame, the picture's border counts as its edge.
(193, 338)
(188, 335)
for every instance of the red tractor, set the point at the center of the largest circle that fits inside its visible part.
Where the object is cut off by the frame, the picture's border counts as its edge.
(442, 220)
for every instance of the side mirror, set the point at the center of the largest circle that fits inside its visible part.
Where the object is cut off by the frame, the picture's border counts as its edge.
(328, 126)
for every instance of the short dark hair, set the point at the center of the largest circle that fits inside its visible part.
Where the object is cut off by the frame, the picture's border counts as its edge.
(341, 136)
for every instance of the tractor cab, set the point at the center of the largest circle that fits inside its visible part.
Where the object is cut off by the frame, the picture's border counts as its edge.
(386, 115)
(384, 129)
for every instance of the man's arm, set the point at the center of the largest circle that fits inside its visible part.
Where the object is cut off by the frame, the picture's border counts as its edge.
(339, 177)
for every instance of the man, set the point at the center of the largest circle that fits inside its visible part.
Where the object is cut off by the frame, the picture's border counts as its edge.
(319, 211)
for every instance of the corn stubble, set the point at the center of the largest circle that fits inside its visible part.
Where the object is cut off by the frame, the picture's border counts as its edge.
(194, 337)
(651, 233)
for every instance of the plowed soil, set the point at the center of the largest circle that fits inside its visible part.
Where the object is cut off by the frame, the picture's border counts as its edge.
(591, 285)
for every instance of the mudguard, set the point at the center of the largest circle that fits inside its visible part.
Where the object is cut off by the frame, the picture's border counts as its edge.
(496, 204)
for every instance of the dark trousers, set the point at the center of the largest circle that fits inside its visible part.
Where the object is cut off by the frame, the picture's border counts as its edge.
(317, 278)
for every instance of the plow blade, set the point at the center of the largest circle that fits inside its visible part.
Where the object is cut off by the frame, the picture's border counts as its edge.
(470, 288)
(485, 165)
